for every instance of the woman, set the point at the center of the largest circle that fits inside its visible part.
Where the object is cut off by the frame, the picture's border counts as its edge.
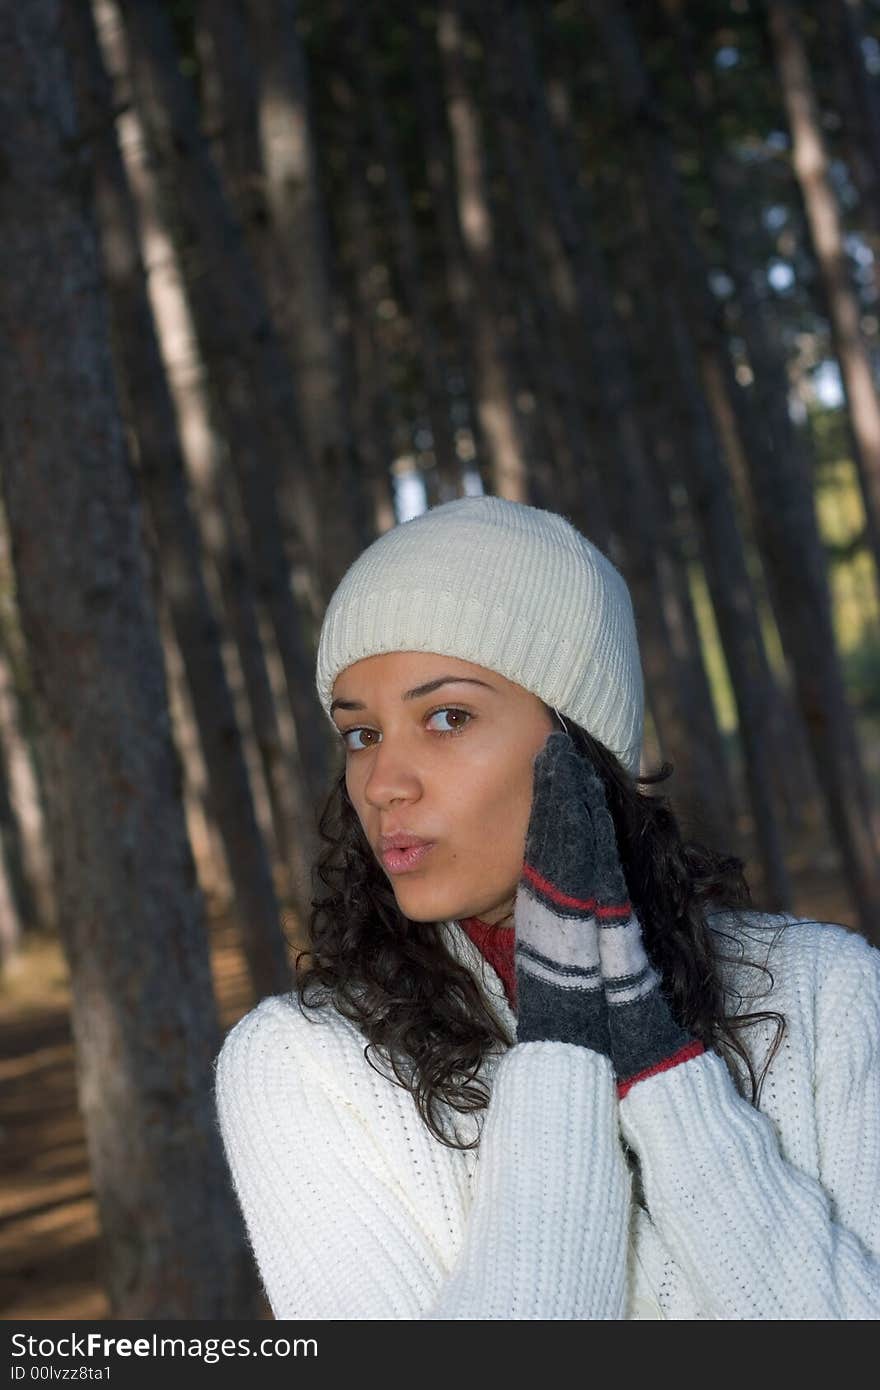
(573, 1116)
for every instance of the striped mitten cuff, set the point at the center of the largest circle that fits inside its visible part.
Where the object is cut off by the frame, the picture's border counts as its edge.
(645, 1038)
(558, 975)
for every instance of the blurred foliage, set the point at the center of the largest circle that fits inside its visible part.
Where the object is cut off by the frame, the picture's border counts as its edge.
(861, 665)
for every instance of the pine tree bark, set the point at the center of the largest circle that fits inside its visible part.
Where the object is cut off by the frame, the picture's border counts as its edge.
(249, 374)
(858, 100)
(719, 408)
(257, 121)
(365, 78)
(664, 425)
(796, 567)
(374, 403)
(16, 901)
(572, 483)
(11, 905)
(708, 479)
(228, 103)
(130, 918)
(25, 788)
(495, 402)
(254, 117)
(525, 350)
(163, 485)
(209, 855)
(296, 267)
(810, 163)
(628, 485)
(783, 513)
(437, 146)
(219, 510)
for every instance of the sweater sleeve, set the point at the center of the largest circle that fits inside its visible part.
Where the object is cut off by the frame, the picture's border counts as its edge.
(333, 1223)
(756, 1236)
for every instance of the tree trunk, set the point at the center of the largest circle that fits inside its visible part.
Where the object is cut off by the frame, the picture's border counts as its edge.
(16, 902)
(374, 404)
(708, 480)
(525, 349)
(796, 567)
(249, 374)
(810, 164)
(296, 269)
(228, 104)
(720, 407)
(365, 80)
(251, 121)
(858, 101)
(163, 485)
(734, 604)
(496, 406)
(628, 484)
(25, 790)
(665, 425)
(130, 916)
(437, 147)
(746, 448)
(204, 837)
(218, 509)
(572, 484)
(780, 486)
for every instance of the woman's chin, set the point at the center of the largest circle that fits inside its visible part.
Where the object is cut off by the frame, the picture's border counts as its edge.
(420, 904)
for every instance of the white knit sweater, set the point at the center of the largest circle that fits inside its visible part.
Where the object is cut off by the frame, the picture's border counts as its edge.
(355, 1211)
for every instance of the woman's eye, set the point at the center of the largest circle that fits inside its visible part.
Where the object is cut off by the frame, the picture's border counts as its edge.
(347, 734)
(460, 714)
(457, 722)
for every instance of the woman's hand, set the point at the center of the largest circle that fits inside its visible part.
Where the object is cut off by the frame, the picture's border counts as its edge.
(582, 972)
(645, 1038)
(558, 974)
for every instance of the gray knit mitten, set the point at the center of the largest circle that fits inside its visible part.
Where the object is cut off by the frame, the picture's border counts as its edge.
(558, 977)
(645, 1037)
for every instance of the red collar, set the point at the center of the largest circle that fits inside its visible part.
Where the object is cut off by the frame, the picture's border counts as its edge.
(497, 946)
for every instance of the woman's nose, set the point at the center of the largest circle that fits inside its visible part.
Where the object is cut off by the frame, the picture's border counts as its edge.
(392, 777)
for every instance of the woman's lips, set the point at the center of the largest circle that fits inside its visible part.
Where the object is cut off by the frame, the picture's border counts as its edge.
(400, 861)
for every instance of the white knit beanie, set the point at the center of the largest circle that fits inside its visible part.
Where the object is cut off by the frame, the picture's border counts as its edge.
(506, 586)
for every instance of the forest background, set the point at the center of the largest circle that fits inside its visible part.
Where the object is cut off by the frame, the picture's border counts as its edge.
(277, 276)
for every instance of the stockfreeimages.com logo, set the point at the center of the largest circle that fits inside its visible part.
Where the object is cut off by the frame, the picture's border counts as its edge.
(95, 1345)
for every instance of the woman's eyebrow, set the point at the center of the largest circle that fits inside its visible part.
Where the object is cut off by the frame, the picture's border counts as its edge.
(418, 691)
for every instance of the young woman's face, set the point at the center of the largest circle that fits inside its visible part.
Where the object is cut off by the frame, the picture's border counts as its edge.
(453, 764)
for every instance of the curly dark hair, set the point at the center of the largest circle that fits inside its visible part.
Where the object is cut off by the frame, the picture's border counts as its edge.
(396, 980)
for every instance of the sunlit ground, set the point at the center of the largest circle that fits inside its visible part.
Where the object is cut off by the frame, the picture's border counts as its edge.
(48, 1219)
